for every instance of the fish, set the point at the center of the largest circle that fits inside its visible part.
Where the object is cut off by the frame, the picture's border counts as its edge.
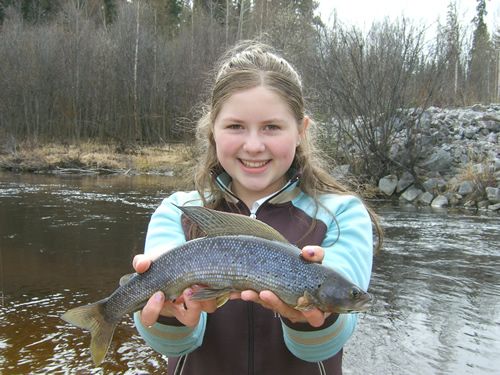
(238, 253)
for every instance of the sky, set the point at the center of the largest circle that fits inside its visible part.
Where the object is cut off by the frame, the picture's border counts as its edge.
(363, 12)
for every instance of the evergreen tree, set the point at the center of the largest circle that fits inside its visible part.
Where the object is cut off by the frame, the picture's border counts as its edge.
(109, 11)
(449, 62)
(480, 58)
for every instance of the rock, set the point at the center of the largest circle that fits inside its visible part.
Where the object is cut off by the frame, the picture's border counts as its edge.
(426, 198)
(494, 207)
(470, 204)
(470, 132)
(478, 108)
(492, 138)
(406, 180)
(434, 185)
(387, 184)
(440, 160)
(411, 194)
(466, 187)
(483, 204)
(454, 199)
(439, 201)
(493, 194)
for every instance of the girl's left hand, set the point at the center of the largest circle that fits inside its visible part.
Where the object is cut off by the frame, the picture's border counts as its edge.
(268, 299)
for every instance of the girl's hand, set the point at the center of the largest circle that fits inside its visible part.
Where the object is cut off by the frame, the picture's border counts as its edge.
(268, 299)
(183, 309)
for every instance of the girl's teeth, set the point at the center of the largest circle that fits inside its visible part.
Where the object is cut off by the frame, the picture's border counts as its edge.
(253, 164)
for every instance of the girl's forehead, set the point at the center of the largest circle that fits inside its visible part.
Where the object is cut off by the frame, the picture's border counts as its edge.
(256, 101)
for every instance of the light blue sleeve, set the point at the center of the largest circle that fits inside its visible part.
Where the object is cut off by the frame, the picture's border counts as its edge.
(164, 233)
(348, 249)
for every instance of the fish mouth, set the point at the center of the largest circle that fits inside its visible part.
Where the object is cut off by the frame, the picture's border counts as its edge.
(361, 305)
(254, 163)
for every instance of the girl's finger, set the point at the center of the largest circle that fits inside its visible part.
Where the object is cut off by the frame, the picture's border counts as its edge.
(141, 263)
(150, 312)
(313, 253)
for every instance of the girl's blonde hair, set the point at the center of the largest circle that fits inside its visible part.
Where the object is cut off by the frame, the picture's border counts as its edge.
(247, 65)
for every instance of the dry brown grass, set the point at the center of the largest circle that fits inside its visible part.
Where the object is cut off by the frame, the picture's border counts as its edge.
(88, 155)
(481, 175)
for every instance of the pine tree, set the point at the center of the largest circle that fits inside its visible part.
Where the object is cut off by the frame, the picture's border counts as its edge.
(480, 58)
(448, 56)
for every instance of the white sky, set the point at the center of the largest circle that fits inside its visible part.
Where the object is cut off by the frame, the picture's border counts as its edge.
(363, 12)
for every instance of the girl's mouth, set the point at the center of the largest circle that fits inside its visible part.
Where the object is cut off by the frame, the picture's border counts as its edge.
(253, 164)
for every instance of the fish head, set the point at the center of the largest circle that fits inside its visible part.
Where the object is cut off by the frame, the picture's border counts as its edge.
(339, 295)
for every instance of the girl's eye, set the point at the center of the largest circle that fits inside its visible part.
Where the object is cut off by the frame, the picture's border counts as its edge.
(272, 127)
(234, 126)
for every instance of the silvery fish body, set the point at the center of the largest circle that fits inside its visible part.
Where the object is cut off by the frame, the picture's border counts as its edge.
(223, 263)
(236, 263)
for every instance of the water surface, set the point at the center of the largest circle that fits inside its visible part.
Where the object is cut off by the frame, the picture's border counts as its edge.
(65, 241)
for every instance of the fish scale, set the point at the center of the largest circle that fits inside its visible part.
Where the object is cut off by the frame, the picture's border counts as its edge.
(222, 262)
(226, 262)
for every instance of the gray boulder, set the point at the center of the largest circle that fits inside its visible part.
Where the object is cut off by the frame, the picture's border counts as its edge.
(406, 180)
(411, 194)
(387, 184)
(440, 201)
(493, 194)
(426, 198)
(466, 187)
(439, 160)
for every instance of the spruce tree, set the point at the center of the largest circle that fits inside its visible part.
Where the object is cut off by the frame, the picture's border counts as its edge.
(480, 58)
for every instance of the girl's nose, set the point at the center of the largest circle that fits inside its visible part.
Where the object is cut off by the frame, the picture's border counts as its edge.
(254, 143)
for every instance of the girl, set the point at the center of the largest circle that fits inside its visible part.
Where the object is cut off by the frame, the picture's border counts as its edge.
(258, 159)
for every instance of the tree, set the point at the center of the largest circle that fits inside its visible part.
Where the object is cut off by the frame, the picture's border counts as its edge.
(479, 77)
(449, 62)
(496, 44)
(367, 81)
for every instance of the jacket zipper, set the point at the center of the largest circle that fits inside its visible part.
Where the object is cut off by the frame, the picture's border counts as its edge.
(253, 215)
(321, 368)
(179, 367)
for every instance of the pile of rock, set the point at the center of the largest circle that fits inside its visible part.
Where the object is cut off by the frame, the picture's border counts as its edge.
(460, 165)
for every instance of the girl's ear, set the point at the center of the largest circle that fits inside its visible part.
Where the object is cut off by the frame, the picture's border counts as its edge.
(305, 125)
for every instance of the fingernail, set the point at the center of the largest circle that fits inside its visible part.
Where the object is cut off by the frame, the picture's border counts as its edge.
(159, 297)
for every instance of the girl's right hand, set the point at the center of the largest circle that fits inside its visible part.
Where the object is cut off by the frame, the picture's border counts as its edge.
(184, 309)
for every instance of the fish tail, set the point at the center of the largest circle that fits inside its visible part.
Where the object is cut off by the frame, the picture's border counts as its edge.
(91, 317)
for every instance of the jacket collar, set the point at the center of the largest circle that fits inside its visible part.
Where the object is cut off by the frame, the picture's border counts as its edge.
(285, 194)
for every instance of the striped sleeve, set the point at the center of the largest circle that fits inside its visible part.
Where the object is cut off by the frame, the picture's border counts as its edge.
(315, 346)
(172, 341)
(348, 249)
(165, 232)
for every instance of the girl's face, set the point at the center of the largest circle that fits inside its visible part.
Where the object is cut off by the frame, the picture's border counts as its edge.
(256, 136)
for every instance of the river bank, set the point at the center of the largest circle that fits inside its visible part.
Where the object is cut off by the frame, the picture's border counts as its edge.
(93, 158)
(459, 163)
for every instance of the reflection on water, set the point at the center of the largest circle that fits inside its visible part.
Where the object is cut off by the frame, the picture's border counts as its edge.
(65, 241)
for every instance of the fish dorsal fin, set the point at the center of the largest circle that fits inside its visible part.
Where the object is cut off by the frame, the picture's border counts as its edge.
(216, 223)
(126, 278)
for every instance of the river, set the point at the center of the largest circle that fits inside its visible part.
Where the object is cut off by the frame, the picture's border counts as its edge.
(66, 240)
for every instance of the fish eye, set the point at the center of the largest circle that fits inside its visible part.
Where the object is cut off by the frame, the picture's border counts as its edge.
(355, 293)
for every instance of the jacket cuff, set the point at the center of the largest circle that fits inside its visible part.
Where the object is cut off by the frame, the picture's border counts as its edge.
(305, 327)
(168, 321)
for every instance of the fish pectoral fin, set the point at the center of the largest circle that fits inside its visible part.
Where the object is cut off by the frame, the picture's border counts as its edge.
(305, 303)
(220, 295)
(126, 278)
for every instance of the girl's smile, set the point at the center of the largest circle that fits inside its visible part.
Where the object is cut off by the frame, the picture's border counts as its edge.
(256, 135)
